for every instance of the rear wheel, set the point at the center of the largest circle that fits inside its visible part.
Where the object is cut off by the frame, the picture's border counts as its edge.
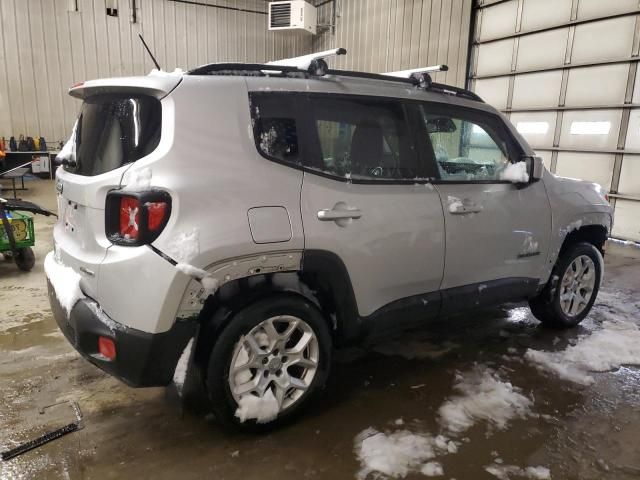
(575, 280)
(268, 363)
(25, 259)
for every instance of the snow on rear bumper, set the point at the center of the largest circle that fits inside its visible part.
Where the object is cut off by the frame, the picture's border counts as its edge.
(142, 359)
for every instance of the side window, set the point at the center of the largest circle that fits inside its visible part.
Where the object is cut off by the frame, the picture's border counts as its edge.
(465, 148)
(362, 139)
(275, 126)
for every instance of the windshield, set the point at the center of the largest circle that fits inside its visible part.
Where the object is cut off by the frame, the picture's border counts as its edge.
(111, 131)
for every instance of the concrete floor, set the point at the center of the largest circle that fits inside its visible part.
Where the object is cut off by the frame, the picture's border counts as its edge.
(577, 432)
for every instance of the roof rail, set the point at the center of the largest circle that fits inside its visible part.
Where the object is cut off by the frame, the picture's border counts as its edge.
(305, 61)
(457, 91)
(422, 80)
(409, 73)
(244, 69)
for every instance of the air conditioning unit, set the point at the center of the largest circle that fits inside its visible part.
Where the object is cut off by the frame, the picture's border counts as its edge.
(296, 15)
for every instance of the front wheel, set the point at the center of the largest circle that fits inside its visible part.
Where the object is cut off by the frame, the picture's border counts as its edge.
(268, 363)
(570, 293)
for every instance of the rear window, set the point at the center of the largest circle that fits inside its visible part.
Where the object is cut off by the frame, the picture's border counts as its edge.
(113, 130)
(275, 127)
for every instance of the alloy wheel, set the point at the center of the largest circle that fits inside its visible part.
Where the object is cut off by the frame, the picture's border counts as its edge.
(280, 354)
(577, 285)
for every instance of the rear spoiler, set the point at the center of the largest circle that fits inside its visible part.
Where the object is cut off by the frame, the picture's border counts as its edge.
(156, 84)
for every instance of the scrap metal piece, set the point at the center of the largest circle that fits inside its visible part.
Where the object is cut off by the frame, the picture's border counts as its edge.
(47, 437)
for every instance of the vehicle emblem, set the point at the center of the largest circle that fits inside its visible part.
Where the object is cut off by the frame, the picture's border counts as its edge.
(59, 186)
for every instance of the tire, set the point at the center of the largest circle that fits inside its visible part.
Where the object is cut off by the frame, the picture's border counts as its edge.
(25, 259)
(276, 364)
(567, 298)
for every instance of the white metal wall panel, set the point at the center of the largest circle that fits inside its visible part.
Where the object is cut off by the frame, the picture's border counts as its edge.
(387, 35)
(495, 58)
(570, 83)
(45, 48)
(633, 131)
(543, 49)
(626, 224)
(630, 177)
(602, 8)
(533, 90)
(494, 91)
(603, 85)
(603, 40)
(545, 13)
(499, 20)
(536, 127)
(590, 129)
(587, 166)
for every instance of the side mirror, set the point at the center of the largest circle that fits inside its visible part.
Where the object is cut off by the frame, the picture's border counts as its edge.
(535, 167)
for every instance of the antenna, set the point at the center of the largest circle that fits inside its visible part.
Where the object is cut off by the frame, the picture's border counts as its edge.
(149, 52)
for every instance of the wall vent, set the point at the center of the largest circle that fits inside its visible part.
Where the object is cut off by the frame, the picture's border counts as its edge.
(296, 15)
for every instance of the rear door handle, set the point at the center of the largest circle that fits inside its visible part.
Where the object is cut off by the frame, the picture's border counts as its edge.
(333, 215)
(465, 208)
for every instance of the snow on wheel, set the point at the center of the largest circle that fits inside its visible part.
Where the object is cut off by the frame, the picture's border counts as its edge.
(269, 361)
(272, 366)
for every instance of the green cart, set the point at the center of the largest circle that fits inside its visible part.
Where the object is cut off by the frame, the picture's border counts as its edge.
(17, 234)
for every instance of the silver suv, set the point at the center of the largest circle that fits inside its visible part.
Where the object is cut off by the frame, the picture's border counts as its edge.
(248, 219)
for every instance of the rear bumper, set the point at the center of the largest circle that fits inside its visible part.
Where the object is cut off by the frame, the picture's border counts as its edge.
(142, 359)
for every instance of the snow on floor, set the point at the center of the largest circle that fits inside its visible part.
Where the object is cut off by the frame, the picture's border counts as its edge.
(65, 281)
(483, 396)
(261, 409)
(399, 453)
(615, 343)
(508, 472)
(432, 469)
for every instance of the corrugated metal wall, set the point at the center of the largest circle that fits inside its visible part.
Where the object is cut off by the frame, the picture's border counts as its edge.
(45, 48)
(388, 35)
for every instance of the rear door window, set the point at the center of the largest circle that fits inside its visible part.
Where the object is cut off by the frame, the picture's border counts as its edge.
(361, 138)
(113, 130)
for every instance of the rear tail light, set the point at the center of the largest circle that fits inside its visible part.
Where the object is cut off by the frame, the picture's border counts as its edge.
(107, 348)
(136, 218)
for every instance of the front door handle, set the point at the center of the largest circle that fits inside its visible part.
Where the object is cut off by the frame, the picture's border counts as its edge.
(333, 215)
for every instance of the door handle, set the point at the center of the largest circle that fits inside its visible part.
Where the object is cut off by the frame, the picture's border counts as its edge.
(464, 208)
(333, 215)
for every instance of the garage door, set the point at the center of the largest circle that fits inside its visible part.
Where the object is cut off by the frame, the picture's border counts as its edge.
(564, 71)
